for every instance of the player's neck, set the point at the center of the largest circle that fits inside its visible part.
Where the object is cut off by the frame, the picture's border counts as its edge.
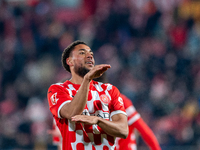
(76, 79)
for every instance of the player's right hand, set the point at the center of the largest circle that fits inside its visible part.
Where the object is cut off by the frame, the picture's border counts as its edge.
(97, 71)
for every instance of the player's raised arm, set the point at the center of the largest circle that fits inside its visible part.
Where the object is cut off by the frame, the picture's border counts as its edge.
(78, 103)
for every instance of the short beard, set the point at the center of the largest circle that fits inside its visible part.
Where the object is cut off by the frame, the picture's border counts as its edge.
(81, 71)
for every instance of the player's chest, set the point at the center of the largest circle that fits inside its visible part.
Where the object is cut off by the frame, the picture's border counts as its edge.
(97, 104)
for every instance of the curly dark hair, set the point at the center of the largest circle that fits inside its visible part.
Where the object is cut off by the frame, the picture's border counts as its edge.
(67, 51)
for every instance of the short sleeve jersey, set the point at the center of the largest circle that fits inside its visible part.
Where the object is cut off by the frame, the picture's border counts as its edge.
(104, 101)
(130, 142)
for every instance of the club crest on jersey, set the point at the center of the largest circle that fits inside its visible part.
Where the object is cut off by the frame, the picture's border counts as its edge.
(104, 98)
(54, 99)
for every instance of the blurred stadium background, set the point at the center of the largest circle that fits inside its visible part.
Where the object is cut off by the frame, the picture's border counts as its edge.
(153, 47)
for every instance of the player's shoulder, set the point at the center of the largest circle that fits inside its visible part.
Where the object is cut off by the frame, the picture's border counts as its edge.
(56, 85)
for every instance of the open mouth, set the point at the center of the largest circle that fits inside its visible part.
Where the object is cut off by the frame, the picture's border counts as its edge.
(89, 62)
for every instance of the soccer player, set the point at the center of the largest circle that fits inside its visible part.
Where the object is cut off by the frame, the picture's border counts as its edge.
(136, 122)
(89, 114)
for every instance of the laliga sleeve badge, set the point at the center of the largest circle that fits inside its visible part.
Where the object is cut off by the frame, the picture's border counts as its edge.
(105, 99)
(54, 99)
(121, 101)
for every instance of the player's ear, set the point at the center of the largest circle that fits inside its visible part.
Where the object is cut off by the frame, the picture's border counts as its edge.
(69, 61)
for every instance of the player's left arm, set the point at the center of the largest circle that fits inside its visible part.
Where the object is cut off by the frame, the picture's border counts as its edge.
(147, 134)
(118, 127)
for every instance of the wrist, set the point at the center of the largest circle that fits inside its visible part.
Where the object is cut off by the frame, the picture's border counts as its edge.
(98, 120)
(86, 78)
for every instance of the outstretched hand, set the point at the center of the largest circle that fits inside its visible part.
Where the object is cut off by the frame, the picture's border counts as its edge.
(97, 71)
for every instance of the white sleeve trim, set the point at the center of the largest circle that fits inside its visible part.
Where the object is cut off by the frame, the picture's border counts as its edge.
(117, 112)
(133, 119)
(61, 107)
(130, 110)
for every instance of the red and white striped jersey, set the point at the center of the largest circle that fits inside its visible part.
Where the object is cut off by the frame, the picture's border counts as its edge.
(136, 122)
(130, 142)
(104, 100)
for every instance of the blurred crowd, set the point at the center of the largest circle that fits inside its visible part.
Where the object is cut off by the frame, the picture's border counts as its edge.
(153, 47)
